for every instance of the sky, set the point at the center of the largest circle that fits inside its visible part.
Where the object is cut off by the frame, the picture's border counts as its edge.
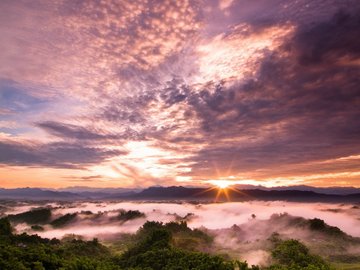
(136, 93)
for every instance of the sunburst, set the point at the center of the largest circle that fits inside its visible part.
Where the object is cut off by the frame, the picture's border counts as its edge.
(223, 187)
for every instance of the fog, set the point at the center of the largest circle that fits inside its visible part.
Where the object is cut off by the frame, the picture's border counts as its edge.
(239, 229)
(211, 216)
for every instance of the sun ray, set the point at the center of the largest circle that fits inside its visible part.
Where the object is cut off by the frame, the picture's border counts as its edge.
(217, 195)
(225, 188)
(227, 195)
(206, 190)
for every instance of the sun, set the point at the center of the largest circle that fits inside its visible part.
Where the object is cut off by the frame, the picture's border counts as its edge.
(222, 184)
(224, 188)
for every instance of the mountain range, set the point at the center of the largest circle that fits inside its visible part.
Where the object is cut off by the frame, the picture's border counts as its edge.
(237, 193)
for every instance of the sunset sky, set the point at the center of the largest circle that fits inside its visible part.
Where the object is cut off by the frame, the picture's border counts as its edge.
(135, 93)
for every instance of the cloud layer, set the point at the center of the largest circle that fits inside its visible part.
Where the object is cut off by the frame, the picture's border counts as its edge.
(148, 92)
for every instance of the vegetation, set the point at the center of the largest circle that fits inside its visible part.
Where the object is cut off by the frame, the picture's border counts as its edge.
(35, 216)
(317, 224)
(129, 215)
(33, 252)
(156, 252)
(155, 246)
(5, 227)
(63, 220)
(293, 255)
(182, 236)
(37, 228)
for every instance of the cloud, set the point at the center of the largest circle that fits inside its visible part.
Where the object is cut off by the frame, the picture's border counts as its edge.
(56, 155)
(268, 217)
(249, 89)
(268, 122)
(331, 42)
(5, 111)
(297, 109)
(76, 132)
(243, 231)
(89, 46)
(14, 99)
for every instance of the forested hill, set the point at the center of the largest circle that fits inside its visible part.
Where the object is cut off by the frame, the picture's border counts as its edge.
(153, 248)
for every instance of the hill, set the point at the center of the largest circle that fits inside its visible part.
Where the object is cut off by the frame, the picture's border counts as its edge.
(178, 193)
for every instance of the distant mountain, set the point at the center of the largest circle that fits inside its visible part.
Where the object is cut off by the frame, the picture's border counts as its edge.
(75, 193)
(80, 189)
(36, 194)
(177, 193)
(100, 193)
(323, 190)
(182, 193)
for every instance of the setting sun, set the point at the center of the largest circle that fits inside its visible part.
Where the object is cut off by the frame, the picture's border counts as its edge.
(222, 184)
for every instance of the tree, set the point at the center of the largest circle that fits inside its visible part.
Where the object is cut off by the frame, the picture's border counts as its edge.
(5, 227)
(295, 255)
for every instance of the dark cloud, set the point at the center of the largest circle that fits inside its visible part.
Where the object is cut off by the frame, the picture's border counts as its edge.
(71, 131)
(302, 107)
(57, 155)
(332, 41)
(127, 110)
(211, 86)
(262, 13)
(175, 91)
(90, 178)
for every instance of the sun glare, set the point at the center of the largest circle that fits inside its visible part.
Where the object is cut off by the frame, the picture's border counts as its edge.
(222, 184)
(223, 188)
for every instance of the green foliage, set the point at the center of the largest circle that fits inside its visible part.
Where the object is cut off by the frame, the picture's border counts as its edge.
(183, 237)
(77, 248)
(155, 247)
(317, 224)
(33, 252)
(129, 215)
(175, 259)
(87, 213)
(87, 263)
(291, 254)
(346, 258)
(152, 251)
(155, 252)
(35, 216)
(155, 239)
(37, 228)
(5, 227)
(28, 255)
(245, 266)
(346, 266)
(175, 227)
(63, 220)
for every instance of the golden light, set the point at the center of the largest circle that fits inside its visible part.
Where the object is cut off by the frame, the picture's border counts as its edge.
(224, 188)
(237, 55)
(222, 184)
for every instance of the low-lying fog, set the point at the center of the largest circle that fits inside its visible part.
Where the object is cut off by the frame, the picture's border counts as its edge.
(211, 216)
(255, 220)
